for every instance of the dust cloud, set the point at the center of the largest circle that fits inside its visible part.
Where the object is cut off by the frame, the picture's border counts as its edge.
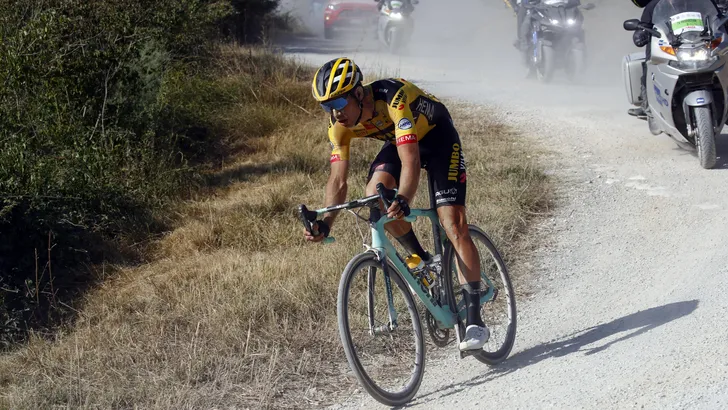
(472, 42)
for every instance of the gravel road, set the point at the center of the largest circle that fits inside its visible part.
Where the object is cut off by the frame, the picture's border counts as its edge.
(630, 302)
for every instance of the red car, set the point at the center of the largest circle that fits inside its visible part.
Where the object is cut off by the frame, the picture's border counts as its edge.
(350, 15)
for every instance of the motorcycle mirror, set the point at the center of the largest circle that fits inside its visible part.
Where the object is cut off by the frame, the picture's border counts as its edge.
(650, 30)
(631, 25)
(588, 6)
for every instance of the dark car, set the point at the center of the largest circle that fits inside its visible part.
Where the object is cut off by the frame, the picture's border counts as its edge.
(359, 15)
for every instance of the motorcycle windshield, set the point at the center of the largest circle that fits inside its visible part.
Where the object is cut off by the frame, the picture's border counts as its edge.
(684, 16)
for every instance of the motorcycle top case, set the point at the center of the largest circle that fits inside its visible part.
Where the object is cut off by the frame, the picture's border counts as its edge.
(632, 76)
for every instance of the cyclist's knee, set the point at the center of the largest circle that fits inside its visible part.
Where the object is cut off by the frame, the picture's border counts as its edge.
(456, 230)
(454, 221)
(380, 175)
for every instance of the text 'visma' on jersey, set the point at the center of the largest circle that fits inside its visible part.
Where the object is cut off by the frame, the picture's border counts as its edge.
(403, 114)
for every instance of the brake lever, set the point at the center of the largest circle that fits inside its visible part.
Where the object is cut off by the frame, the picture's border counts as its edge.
(384, 194)
(307, 217)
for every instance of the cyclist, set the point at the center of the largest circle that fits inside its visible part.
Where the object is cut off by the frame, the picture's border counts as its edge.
(417, 131)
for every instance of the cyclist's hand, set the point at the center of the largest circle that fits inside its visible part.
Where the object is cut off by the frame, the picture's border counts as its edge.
(321, 228)
(398, 209)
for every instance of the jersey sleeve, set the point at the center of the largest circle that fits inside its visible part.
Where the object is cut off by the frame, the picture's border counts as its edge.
(401, 115)
(339, 138)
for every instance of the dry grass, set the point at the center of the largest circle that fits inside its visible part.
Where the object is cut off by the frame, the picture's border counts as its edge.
(236, 311)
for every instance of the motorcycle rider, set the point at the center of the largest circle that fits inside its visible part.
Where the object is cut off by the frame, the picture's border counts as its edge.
(641, 38)
(523, 26)
(406, 5)
(521, 29)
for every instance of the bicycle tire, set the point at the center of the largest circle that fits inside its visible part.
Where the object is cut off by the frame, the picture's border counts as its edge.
(478, 235)
(369, 259)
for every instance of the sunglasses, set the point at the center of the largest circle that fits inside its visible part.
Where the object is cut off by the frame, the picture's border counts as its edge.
(337, 104)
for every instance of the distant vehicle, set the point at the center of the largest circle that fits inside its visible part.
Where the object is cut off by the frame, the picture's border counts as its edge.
(557, 38)
(395, 25)
(349, 15)
(686, 79)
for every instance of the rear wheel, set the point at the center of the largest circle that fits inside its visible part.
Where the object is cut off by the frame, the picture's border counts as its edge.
(705, 137)
(499, 311)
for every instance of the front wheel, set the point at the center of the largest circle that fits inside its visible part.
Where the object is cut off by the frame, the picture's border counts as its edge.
(705, 137)
(545, 66)
(394, 38)
(499, 310)
(576, 63)
(389, 362)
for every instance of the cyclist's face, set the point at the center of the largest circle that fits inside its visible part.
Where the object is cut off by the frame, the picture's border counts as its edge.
(347, 114)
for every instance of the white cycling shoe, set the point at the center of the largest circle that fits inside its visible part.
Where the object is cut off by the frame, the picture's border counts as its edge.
(475, 338)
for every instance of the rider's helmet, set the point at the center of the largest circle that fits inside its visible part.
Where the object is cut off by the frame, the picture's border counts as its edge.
(335, 79)
(641, 3)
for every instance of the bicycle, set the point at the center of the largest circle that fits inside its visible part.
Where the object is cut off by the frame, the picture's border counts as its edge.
(432, 284)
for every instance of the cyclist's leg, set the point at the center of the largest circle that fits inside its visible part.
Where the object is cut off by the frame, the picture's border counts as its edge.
(386, 168)
(450, 180)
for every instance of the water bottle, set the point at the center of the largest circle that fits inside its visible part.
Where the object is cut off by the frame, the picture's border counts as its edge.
(414, 262)
(417, 266)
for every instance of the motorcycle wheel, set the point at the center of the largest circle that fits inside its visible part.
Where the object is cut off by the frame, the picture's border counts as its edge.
(328, 33)
(545, 68)
(705, 137)
(393, 39)
(575, 63)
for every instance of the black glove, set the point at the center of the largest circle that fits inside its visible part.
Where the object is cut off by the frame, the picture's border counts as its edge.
(641, 38)
(403, 205)
(323, 228)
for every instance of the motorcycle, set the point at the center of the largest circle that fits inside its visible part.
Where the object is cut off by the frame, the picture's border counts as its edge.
(395, 25)
(686, 75)
(556, 38)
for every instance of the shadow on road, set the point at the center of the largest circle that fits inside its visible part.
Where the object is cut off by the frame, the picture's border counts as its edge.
(635, 324)
(721, 148)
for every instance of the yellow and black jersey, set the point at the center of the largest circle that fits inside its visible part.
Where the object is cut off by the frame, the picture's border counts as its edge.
(403, 114)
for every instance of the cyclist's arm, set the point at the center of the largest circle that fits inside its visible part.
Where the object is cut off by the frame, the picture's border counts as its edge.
(336, 187)
(409, 177)
(407, 146)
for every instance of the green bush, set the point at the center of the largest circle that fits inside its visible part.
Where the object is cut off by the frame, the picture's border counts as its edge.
(101, 123)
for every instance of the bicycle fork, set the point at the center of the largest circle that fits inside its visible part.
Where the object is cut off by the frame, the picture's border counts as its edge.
(371, 281)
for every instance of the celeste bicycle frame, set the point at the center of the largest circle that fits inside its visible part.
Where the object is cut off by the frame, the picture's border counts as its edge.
(383, 248)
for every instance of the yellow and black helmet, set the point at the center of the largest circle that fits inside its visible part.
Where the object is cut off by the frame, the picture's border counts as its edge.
(641, 3)
(335, 79)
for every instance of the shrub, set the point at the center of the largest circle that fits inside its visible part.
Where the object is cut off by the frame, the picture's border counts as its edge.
(90, 145)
